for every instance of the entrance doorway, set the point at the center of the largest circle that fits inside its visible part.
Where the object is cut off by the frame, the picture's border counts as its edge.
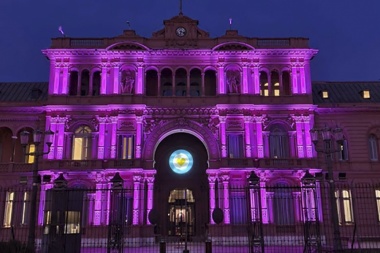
(181, 196)
(181, 213)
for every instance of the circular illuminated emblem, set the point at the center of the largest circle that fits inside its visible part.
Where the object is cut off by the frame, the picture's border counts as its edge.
(180, 31)
(181, 161)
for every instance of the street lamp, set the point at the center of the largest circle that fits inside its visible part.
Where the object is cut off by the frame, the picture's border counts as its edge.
(116, 219)
(328, 135)
(310, 211)
(256, 237)
(37, 139)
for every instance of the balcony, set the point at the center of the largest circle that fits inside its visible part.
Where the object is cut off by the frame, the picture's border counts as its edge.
(269, 163)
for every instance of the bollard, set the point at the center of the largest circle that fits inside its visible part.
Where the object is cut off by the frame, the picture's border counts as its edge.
(162, 247)
(208, 246)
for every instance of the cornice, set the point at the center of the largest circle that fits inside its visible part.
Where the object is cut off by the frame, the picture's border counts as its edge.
(285, 52)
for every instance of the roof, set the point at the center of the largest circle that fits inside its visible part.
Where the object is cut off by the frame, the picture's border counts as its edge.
(23, 92)
(345, 92)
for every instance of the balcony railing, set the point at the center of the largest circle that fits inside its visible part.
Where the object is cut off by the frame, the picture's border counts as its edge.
(78, 165)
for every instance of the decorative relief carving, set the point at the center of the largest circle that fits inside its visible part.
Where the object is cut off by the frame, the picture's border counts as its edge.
(235, 124)
(126, 125)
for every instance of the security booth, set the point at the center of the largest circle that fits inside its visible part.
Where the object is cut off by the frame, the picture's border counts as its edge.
(62, 218)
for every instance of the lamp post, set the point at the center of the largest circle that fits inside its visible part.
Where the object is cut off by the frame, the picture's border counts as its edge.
(37, 139)
(310, 211)
(328, 135)
(256, 237)
(116, 219)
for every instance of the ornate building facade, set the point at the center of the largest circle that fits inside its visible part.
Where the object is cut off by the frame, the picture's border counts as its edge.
(183, 117)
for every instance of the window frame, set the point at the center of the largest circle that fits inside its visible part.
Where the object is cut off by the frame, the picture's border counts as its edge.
(344, 206)
(373, 148)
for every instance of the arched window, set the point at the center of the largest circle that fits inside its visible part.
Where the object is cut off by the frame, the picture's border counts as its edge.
(180, 81)
(373, 149)
(278, 142)
(264, 89)
(166, 83)
(151, 82)
(210, 83)
(286, 83)
(73, 87)
(85, 83)
(275, 83)
(195, 81)
(96, 79)
(82, 143)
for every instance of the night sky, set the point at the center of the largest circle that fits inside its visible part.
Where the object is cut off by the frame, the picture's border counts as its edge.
(346, 32)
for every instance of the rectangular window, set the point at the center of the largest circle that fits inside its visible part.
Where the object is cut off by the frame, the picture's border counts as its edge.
(344, 206)
(238, 204)
(31, 148)
(325, 94)
(235, 146)
(378, 204)
(81, 148)
(372, 142)
(126, 147)
(366, 94)
(25, 208)
(8, 210)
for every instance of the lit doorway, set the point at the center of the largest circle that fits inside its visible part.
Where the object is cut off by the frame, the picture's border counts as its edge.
(181, 213)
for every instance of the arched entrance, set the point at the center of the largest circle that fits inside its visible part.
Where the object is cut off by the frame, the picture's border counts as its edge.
(181, 186)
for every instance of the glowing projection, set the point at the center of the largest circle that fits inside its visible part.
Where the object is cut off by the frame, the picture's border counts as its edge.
(181, 161)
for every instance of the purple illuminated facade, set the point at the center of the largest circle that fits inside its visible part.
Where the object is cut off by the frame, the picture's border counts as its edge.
(236, 104)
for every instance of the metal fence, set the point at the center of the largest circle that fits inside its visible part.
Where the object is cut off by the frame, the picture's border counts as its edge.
(276, 218)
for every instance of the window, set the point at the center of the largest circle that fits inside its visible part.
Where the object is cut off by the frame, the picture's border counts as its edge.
(283, 205)
(238, 203)
(126, 147)
(8, 210)
(235, 146)
(377, 192)
(325, 94)
(344, 206)
(343, 150)
(278, 143)
(264, 89)
(82, 143)
(373, 151)
(366, 94)
(25, 208)
(31, 148)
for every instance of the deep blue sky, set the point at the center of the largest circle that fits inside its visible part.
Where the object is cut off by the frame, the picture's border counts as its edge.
(346, 32)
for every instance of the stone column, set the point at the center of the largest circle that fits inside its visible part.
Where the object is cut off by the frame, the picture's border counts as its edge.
(256, 77)
(116, 81)
(211, 182)
(136, 199)
(294, 77)
(104, 76)
(139, 84)
(222, 127)
(149, 205)
(101, 137)
(65, 77)
(244, 89)
(259, 136)
(53, 128)
(203, 84)
(99, 192)
(308, 124)
(114, 120)
(57, 77)
(139, 132)
(226, 198)
(247, 133)
(221, 79)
